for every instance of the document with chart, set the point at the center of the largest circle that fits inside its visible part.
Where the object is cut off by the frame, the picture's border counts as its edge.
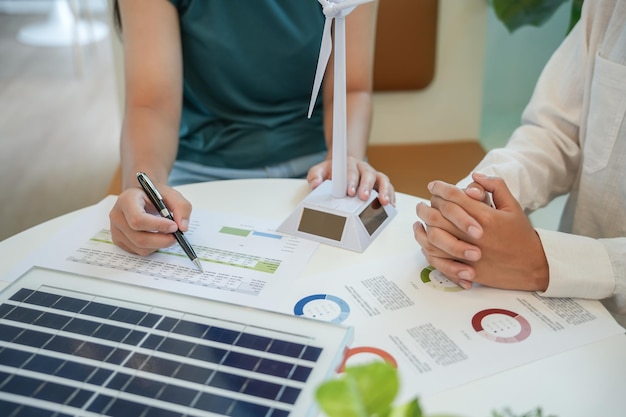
(437, 334)
(245, 261)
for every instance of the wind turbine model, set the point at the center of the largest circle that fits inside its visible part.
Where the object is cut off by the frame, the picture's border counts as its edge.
(327, 214)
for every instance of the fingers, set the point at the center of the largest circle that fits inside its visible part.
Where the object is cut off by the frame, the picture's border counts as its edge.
(361, 179)
(178, 206)
(440, 242)
(137, 230)
(318, 173)
(502, 197)
(458, 208)
(455, 270)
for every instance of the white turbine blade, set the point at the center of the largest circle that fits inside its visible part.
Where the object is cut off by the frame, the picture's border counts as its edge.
(349, 3)
(322, 61)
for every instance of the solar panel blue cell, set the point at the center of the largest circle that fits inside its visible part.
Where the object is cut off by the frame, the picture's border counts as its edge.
(283, 348)
(9, 407)
(30, 411)
(134, 337)
(253, 341)
(247, 409)
(127, 315)
(9, 333)
(75, 371)
(278, 413)
(23, 315)
(149, 320)
(54, 392)
(100, 403)
(5, 309)
(178, 395)
(94, 351)
(289, 395)
(160, 366)
(118, 356)
(112, 333)
(21, 385)
(81, 326)
(274, 367)
(176, 347)
(136, 361)
(312, 353)
(119, 381)
(125, 408)
(219, 334)
(228, 381)
(145, 387)
(42, 298)
(262, 389)
(167, 324)
(190, 328)
(98, 310)
(33, 338)
(70, 304)
(21, 294)
(159, 412)
(152, 341)
(301, 373)
(208, 353)
(52, 320)
(44, 364)
(13, 357)
(99, 376)
(241, 360)
(63, 344)
(80, 398)
(214, 403)
(193, 373)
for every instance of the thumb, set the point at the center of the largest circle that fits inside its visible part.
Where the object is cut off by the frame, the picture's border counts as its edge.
(502, 197)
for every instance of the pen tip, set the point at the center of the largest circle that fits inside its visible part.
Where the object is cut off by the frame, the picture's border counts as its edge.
(198, 264)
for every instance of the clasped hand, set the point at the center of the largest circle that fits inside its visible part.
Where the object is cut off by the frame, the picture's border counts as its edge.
(471, 241)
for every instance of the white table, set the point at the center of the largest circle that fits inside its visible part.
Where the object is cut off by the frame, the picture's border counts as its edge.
(584, 382)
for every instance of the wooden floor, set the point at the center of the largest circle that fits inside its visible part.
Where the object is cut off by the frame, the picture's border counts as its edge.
(411, 167)
(58, 128)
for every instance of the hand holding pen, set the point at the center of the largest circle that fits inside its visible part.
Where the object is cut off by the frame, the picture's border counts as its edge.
(157, 201)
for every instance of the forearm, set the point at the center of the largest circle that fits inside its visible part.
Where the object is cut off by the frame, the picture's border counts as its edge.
(149, 143)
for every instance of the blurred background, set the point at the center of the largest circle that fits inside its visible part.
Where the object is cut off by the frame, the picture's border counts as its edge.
(60, 104)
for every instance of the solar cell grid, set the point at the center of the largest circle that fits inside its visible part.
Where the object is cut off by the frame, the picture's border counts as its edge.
(93, 353)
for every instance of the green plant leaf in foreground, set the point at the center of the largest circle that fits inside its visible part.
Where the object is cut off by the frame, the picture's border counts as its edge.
(361, 391)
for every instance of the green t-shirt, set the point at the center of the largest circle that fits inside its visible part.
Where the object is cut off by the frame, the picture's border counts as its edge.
(249, 67)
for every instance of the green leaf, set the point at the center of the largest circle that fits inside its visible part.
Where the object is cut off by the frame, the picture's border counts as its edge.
(577, 6)
(410, 409)
(361, 391)
(378, 385)
(517, 13)
(340, 398)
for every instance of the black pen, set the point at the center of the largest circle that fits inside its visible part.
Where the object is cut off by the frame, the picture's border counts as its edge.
(157, 200)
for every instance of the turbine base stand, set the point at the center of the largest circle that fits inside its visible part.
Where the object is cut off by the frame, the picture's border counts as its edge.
(347, 222)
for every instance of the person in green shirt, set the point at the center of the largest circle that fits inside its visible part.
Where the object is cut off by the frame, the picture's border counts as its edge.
(218, 89)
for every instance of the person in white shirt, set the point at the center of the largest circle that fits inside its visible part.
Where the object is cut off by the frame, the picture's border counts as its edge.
(572, 139)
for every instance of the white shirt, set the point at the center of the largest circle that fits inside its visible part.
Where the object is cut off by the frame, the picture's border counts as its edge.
(573, 139)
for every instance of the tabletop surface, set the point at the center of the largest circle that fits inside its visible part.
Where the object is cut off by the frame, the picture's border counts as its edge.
(586, 381)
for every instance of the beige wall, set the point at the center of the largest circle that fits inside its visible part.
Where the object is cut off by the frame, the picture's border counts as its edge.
(450, 108)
